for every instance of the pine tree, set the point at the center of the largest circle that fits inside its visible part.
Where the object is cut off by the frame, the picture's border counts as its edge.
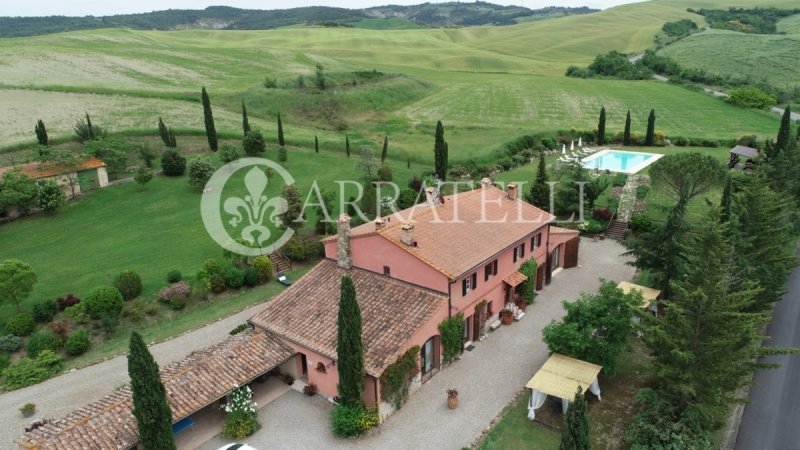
(540, 190)
(601, 127)
(316, 144)
(626, 135)
(150, 406)
(385, 149)
(727, 200)
(245, 120)
(41, 132)
(784, 140)
(349, 347)
(649, 138)
(281, 142)
(440, 164)
(347, 145)
(575, 430)
(211, 131)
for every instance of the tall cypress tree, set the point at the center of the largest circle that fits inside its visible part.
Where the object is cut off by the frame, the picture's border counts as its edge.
(347, 145)
(601, 127)
(446, 159)
(245, 120)
(575, 431)
(540, 190)
(150, 406)
(649, 138)
(349, 347)
(316, 144)
(784, 140)
(211, 131)
(727, 200)
(281, 142)
(626, 135)
(41, 132)
(385, 148)
(440, 164)
(167, 135)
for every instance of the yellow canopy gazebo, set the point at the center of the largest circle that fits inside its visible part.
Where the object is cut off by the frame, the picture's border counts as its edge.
(560, 376)
(650, 295)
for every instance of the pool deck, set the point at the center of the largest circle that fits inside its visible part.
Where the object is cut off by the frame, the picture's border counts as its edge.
(653, 157)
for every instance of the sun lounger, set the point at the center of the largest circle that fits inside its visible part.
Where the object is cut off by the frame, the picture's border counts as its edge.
(283, 279)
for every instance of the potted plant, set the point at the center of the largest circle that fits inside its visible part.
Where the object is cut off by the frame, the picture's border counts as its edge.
(452, 398)
(28, 409)
(507, 316)
(310, 389)
(521, 303)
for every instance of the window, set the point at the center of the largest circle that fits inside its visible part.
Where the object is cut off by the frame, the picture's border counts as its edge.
(469, 283)
(490, 270)
(516, 256)
(494, 267)
(536, 242)
(522, 250)
(465, 286)
(387, 271)
(475, 280)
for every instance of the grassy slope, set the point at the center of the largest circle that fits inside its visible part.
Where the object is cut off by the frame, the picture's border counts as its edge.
(393, 23)
(790, 25)
(770, 57)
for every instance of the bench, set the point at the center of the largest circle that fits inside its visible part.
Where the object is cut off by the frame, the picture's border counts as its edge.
(182, 425)
(283, 279)
(495, 325)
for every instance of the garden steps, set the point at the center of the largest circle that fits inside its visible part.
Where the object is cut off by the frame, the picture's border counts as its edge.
(279, 262)
(617, 230)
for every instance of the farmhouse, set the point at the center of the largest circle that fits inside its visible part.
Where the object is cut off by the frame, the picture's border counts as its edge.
(412, 270)
(91, 174)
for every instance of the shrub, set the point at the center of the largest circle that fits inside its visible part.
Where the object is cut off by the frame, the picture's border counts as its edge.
(592, 226)
(173, 164)
(200, 171)
(300, 248)
(4, 362)
(253, 143)
(103, 300)
(133, 311)
(66, 302)
(129, 284)
(239, 425)
(234, 277)
(78, 313)
(385, 173)
(680, 141)
(109, 322)
(602, 214)
(50, 196)
(239, 328)
(263, 266)
(350, 421)
(451, 330)
(42, 340)
(751, 97)
(641, 192)
(28, 371)
(640, 223)
(20, 324)
(150, 309)
(174, 276)
(60, 330)
(44, 312)
(415, 183)
(212, 274)
(10, 343)
(177, 303)
(251, 277)
(175, 294)
(229, 153)
(77, 343)
(619, 180)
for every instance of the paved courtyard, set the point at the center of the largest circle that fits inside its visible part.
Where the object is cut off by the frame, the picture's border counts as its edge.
(487, 378)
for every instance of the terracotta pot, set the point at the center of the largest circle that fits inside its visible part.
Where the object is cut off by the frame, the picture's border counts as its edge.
(521, 304)
(452, 402)
(507, 319)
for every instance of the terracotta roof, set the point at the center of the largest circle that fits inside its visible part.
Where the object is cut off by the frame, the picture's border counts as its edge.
(391, 312)
(191, 383)
(559, 230)
(37, 170)
(515, 278)
(464, 231)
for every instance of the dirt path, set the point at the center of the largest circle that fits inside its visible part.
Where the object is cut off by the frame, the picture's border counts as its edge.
(59, 396)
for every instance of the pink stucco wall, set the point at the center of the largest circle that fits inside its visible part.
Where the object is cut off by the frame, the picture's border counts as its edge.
(325, 382)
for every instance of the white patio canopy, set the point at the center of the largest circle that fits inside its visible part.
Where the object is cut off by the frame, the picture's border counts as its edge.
(560, 376)
(649, 295)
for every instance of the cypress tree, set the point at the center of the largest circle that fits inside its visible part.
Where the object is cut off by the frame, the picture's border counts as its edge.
(783, 142)
(349, 347)
(575, 431)
(626, 135)
(167, 136)
(649, 138)
(347, 145)
(540, 190)
(726, 202)
(440, 164)
(150, 406)
(245, 120)
(91, 134)
(281, 142)
(211, 131)
(316, 144)
(41, 132)
(408, 163)
(385, 149)
(445, 159)
(601, 127)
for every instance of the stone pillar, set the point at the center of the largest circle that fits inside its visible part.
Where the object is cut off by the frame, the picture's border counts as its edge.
(407, 234)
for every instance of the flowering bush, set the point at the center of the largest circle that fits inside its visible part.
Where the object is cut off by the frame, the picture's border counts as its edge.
(349, 421)
(175, 293)
(242, 418)
(66, 302)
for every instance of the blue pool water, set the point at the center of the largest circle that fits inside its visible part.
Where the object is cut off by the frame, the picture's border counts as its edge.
(619, 161)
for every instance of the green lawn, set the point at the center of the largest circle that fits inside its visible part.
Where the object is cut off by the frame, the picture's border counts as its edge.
(515, 431)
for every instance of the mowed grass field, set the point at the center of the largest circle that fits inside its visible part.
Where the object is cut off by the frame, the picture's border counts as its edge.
(487, 84)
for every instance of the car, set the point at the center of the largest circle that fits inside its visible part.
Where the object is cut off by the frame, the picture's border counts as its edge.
(236, 447)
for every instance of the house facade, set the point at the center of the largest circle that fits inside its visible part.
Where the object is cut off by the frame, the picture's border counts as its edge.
(91, 174)
(412, 270)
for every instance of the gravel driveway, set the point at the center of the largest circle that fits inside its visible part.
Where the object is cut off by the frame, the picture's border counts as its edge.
(487, 378)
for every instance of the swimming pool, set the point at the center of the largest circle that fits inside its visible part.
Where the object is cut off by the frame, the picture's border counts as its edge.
(619, 161)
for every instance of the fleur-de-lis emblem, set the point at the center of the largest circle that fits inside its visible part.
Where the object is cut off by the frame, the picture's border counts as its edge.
(255, 205)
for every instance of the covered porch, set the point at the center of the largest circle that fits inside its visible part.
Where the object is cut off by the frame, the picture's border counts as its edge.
(561, 376)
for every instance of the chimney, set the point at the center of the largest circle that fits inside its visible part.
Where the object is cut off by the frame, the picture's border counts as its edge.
(343, 253)
(512, 191)
(380, 222)
(430, 196)
(486, 182)
(407, 234)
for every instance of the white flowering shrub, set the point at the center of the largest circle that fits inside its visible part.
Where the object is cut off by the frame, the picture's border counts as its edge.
(242, 418)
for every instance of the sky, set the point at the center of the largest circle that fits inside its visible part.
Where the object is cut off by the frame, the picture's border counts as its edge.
(106, 7)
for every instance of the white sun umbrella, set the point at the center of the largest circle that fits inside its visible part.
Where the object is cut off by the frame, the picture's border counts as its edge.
(563, 149)
(580, 140)
(571, 146)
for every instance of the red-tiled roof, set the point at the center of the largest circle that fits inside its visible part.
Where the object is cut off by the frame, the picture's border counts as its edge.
(191, 384)
(559, 230)
(391, 312)
(515, 278)
(38, 170)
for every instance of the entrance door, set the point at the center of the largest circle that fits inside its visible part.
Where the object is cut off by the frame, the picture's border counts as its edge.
(426, 358)
(539, 277)
(304, 364)
(555, 258)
